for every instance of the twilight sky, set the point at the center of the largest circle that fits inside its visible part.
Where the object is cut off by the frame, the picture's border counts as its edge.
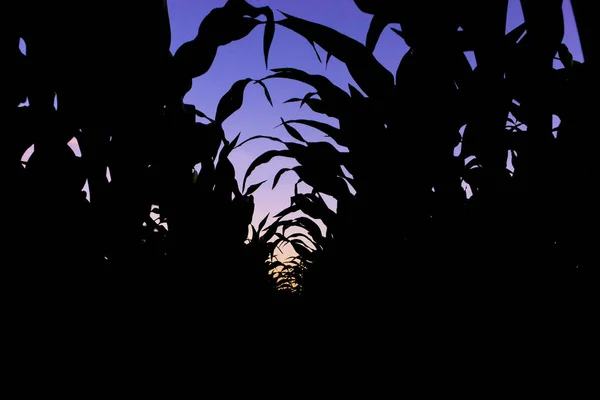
(244, 59)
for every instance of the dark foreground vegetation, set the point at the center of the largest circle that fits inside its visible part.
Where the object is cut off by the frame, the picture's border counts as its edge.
(159, 232)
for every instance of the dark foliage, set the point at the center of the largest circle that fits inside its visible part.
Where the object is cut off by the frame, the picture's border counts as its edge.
(171, 226)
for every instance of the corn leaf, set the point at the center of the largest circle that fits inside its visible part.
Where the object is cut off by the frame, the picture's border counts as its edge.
(232, 100)
(293, 132)
(253, 188)
(378, 24)
(267, 94)
(278, 176)
(371, 76)
(264, 158)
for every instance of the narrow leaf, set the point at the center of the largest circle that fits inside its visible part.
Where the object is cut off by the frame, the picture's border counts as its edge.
(202, 115)
(262, 159)
(355, 93)
(327, 59)
(316, 51)
(267, 95)
(331, 131)
(260, 137)
(262, 223)
(286, 211)
(232, 100)
(378, 24)
(293, 132)
(278, 176)
(369, 74)
(308, 96)
(253, 188)
(269, 34)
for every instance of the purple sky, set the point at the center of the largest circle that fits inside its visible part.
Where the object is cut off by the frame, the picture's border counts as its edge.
(244, 59)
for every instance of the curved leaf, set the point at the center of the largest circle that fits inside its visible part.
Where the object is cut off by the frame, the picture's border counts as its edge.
(301, 249)
(262, 159)
(316, 51)
(232, 100)
(304, 236)
(202, 115)
(269, 34)
(253, 188)
(328, 130)
(371, 76)
(293, 132)
(325, 88)
(306, 97)
(267, 95)
(378, 24)
(260, 137)
(262, 223)
(287, 211)
(229, 146)
(311, 227)
(278, 176)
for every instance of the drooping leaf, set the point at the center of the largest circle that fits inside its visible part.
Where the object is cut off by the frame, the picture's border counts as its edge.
(275, 139)
(324, 182)
(278, 176)
(238, 29)
(306, 97)
(304, 236)
(202, 115)
(378, 24)
(371, 76)
(221, 26)
(232, 100)
(325, 88)
(228, 148)
(267, 95)
(314, 206)
(264, 158)
(193, 59)
(331, 131)
(237, 9)
(262, 223)
(269, 34)
(293, 132)
(253, 188)
(311, 227)
(302, 250)
(288, 210)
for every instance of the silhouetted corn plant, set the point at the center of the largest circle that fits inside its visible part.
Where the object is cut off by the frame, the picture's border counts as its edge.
(120, 94)
(404, 133)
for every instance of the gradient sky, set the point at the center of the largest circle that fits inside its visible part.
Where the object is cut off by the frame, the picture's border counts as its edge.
(244, 59)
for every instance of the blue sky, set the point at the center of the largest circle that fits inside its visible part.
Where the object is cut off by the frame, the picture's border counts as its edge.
(244, 59)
